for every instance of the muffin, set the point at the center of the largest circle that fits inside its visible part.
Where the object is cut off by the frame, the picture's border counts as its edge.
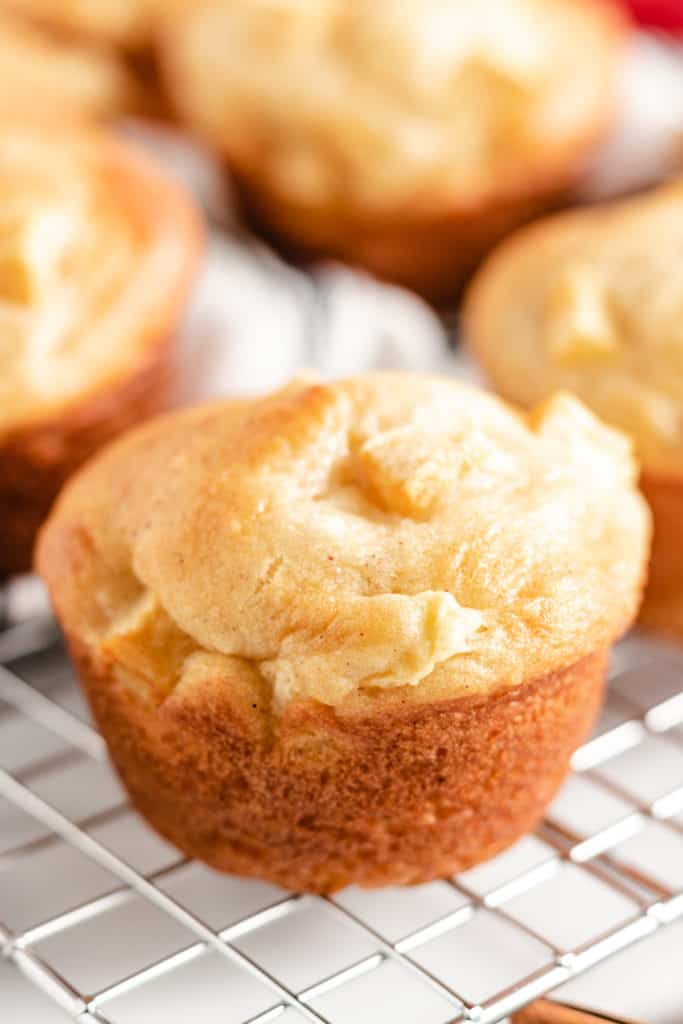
(48, 76)
(97, 250)
(122, 23)
(89, 45)
(348, 633)
(406, 136)
(590, 301)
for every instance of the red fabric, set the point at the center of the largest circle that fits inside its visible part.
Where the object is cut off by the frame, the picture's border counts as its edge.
(663, 14)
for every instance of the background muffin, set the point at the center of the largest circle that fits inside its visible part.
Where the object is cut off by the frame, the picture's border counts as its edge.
(44, 75)
(97, 249)
(97, 54)
(403, 136)
(591, 301)
(123, 23)
(348, 633)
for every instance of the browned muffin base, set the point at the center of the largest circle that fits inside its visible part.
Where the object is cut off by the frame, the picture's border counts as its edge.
(433, 255)
(662, 607)
(35, 461)
(322, 800)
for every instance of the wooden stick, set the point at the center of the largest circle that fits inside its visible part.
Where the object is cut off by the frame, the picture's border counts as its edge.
(544, 1011)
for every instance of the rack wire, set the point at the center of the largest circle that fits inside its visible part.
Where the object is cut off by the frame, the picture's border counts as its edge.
(112, 926)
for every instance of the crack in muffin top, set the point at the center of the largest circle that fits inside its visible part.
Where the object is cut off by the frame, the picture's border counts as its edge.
(384, 534)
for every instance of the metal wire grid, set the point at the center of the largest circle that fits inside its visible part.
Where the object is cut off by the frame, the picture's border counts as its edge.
(472, 948)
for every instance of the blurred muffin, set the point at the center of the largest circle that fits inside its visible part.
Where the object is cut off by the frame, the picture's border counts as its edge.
(403, 135)
(348, 633)
(122, 23)
(50, 77)
(96, 251)
(592, 301)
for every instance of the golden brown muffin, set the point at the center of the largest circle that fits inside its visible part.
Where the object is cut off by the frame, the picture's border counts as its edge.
(97, 249)
(50, 77)
(591, 301)
(348, 633)
(403, 135)
(128, 24)
(93, 47)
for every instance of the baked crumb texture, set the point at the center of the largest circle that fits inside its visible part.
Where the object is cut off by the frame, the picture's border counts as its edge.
(97, 250)
(587, 301)
(348, 632)
(404, 136)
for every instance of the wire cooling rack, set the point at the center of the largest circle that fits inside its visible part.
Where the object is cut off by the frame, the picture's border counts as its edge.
(112, 926)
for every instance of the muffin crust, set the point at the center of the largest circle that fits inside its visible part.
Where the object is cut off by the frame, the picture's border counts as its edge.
(125, 23)
(96, 253)
(412, 101)
(335, 624)
(588, 301)
(329, 797)
(436, 124)
(357, 536)
(593, 307)
(49, 76)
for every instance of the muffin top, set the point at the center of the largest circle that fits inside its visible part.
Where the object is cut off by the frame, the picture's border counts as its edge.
(94, 246)
(590, 301)
(383, 102)
(46, 75)
(390, 534)
(124, 22)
